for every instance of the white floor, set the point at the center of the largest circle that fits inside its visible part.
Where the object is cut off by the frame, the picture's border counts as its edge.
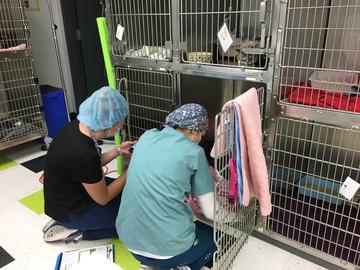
(21, 228)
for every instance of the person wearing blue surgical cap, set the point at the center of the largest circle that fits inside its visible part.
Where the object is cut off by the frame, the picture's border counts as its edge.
(82, 203)
(155, 221)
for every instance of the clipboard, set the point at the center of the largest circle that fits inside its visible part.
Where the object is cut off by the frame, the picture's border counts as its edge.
(67, 259)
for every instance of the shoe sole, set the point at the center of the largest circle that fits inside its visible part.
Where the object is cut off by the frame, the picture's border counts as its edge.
(59, 233)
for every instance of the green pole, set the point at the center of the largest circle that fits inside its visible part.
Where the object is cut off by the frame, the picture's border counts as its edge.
(105, 45)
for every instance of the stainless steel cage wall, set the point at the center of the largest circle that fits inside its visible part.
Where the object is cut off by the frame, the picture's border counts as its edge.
(150, 96)
(233, 223)
(310, 161)
(143, 29)
(320, 55)
(13, 25)
(21, 117)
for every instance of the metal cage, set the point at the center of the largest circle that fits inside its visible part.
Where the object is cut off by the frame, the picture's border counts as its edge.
(151, 96)
(20, 102)
(249, 24)
(232, 222)
(13, 26)
(310, 162)
(146, 28)
(320, 64)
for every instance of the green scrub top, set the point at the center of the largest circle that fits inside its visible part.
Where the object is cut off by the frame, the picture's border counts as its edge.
(154, 216)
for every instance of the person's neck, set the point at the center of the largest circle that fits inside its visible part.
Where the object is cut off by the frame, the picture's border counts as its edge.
(84, 129)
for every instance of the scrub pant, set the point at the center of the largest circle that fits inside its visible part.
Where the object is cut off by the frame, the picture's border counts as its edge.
(200, 254)
(97, 221)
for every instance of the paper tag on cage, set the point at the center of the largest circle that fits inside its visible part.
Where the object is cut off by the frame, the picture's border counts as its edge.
(119, 32)
(225, 38)
(349, 188)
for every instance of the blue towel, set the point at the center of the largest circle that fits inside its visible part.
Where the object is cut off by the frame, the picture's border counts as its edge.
(238, 156)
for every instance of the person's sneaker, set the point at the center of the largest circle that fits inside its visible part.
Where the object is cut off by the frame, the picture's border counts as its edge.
(182, 268)
(146, 267)
(60, 233)
(205, 268)
(49, 224)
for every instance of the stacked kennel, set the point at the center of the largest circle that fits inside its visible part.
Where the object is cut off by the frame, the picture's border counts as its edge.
(304, 54)
(314, 130)
(21, 118)
(167, 53)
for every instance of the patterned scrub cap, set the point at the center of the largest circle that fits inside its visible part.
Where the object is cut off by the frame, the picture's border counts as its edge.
(190, 116)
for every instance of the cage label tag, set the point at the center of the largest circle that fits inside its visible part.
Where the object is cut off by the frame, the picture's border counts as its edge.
(349, 188)
(224, 38)
(119, 32)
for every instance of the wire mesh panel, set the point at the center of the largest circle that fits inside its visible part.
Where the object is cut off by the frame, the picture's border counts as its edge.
(310, 163)
(248, 23)
(320, 64)
(150, 96)
(20, 102)
(141, 28)
(232, 222)
(13, 26)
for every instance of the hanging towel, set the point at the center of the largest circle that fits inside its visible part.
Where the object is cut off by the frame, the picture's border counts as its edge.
(233, 182)
(253, 167)
(240, 184)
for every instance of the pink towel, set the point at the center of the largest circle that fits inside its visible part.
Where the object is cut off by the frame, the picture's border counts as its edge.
(254, 171)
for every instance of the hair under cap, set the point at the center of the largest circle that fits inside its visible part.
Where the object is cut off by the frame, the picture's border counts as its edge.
(190, 116)
(103, 109)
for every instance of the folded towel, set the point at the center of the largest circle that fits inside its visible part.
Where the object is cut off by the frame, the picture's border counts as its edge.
(254, 171)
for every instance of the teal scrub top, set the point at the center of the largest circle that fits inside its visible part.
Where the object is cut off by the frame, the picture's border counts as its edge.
(154, 216)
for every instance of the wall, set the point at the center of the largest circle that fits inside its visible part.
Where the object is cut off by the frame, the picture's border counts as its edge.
(43, 48)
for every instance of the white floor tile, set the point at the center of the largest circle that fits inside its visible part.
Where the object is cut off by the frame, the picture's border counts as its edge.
(297, 263)
(257, 254)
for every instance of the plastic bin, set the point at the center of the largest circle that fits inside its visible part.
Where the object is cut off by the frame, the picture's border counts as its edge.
(320, 189)
(56, 115)
(333, 80)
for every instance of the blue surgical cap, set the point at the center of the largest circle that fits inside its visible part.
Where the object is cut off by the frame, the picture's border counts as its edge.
(190, 116)
(103, 109)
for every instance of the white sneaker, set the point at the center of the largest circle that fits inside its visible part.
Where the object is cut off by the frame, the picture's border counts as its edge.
(49, 224)
(61, 233)
(205, 268)
(182, 268)
(146, 267)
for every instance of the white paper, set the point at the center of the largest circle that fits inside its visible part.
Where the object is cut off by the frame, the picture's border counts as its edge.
(96, 262)
(349, 188)
(119, 32)
(224, 38)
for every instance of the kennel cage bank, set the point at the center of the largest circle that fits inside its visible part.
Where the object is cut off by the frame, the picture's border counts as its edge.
(21, 118)
(314, 130)
(188, 30)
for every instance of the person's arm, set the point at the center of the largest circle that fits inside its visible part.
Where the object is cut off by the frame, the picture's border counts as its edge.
(122, 149)
(101, 193)
(206, 204)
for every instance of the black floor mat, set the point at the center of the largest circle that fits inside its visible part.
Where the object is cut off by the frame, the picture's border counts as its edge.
(36, 165)
(5, 258)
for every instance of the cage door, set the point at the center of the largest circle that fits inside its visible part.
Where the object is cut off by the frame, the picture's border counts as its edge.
(233, 223)
(151, 96)
(309, 164)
